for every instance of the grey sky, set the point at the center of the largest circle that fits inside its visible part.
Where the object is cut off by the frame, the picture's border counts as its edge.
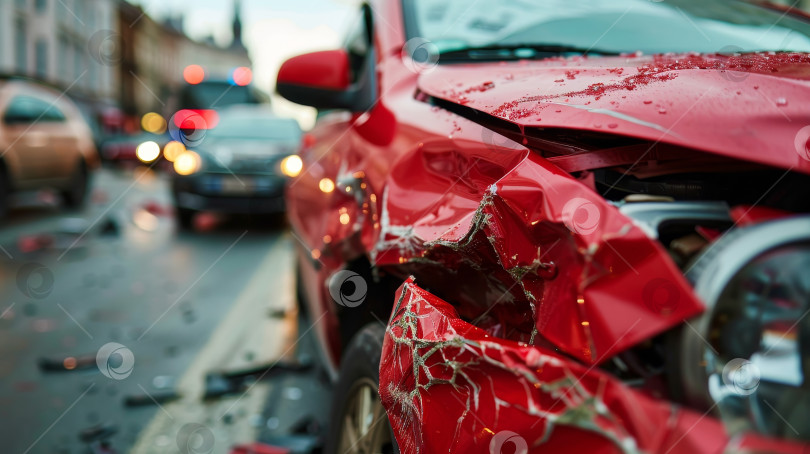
(212, 17)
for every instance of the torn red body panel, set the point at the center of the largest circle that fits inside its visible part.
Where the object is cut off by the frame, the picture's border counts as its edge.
(544, 259)
(448, 386)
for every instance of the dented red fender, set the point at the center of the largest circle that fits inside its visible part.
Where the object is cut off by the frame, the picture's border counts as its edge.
(535, 253)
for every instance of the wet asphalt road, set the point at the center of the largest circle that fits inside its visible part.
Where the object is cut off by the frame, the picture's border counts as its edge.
(183, 303)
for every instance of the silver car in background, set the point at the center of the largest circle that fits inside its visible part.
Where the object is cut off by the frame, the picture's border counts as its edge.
(238, 166)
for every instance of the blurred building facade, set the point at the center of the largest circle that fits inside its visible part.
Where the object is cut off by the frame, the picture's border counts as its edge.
(108, 55)
(48, 40)
(154, 55)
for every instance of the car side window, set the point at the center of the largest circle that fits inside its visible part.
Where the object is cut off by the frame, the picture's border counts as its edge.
(28, 109)
(358, 43)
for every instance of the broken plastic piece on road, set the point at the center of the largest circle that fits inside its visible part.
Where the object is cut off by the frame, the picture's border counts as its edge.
(157, 209)
(32, 243)
(67, 364)
(98, 432)
(156, 398)
(221, 383)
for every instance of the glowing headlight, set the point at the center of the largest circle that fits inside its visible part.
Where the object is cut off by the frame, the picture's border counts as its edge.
(172, 150)
(187, 163)
(147, 151)
(747, 354)
(292, 166)
(326, 185)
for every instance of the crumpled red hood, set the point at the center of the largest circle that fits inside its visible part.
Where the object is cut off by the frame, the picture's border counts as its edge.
(752, 107)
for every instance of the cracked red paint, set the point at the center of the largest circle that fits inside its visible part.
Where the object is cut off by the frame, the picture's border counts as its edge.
(450, 387)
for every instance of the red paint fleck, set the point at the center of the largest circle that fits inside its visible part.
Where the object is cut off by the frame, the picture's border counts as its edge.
(660, 69)
(460, 96)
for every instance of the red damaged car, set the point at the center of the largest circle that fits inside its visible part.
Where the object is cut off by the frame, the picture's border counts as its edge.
(560, 226)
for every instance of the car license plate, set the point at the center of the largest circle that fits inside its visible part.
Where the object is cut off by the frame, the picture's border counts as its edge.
(233, 185)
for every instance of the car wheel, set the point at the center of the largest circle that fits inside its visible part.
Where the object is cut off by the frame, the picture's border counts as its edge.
(359, 424)
(76, 194)
(299, 290)
(185, 218)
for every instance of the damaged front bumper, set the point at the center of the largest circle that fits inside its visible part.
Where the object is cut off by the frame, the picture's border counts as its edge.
(449, 387)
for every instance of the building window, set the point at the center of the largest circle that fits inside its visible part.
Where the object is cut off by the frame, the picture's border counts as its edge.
(42, 59)
(21, 46)
(78, 63)
(64, 58)
(41, 5)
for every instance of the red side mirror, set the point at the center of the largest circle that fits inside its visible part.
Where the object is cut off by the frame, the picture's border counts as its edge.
(322, 80)
(327, 70)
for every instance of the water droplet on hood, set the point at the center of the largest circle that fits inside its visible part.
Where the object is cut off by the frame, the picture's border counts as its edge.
(662, 110)
(781, 102)
(647, 101)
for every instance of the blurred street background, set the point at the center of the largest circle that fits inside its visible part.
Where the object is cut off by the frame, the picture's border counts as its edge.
(189, 317)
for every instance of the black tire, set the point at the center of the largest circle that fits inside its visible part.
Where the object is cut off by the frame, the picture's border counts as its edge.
(359, 369)
(76, 194)
(300, 295)
(185, 218)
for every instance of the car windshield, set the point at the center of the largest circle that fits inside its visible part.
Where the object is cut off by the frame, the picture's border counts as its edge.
(255, 127)
(615, 26)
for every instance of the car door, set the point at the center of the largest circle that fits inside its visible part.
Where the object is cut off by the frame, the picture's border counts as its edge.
(30, 128)
(323, 203)
(63, 151)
